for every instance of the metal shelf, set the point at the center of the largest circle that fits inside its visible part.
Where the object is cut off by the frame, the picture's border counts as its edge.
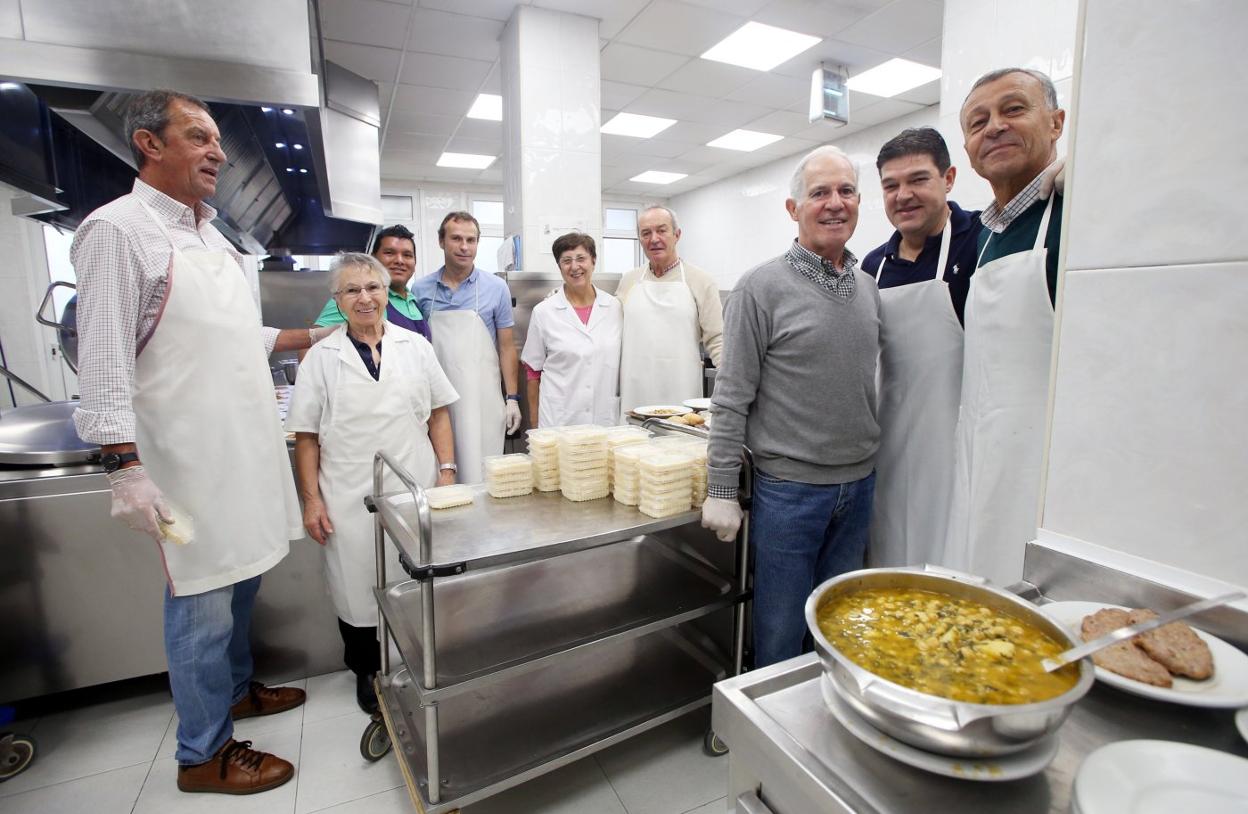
(492, 531)
(508, 732)
(495, 624)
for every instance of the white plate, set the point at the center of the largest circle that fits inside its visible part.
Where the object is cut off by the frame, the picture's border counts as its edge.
(1151, 777)
(661, 410)
(1241, 721)
(697, 404)
(1226, 688)
(1031, 760)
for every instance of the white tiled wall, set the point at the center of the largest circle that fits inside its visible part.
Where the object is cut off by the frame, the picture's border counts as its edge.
(1148, 452)
(730, 226)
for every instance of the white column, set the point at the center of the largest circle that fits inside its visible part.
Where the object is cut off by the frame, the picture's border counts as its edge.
(552, 153)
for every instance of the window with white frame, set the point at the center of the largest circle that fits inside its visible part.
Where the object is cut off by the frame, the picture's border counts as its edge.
(621, 250)
(489, 213)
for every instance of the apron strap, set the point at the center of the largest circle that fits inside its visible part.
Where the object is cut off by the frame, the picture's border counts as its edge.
(941, 259)
(1043, 232)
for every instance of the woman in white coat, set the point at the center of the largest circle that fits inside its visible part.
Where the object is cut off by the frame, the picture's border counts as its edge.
(572, 351)
(347, 405)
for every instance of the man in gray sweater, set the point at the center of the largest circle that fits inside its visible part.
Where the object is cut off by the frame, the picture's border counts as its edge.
(797, 386)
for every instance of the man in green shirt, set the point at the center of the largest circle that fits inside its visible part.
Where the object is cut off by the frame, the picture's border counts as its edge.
(395, 247)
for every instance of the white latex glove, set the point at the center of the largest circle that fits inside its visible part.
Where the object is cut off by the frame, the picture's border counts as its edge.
(722, 517)
(138, 503)
(513, 416)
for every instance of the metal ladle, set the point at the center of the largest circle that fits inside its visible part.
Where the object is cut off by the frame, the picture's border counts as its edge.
(1131, 631)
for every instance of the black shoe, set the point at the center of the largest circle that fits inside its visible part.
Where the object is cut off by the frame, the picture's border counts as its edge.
(365, 696)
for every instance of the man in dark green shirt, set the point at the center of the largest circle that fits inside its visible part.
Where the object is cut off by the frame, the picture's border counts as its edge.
(395, 247)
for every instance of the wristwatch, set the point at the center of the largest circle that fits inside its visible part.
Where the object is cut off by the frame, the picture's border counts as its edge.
(114, 461)
(513, 397)
(448, 468)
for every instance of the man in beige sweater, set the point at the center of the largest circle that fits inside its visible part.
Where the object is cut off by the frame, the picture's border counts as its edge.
(670, 309)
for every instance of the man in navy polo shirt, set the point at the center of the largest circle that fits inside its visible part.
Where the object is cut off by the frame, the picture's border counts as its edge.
(924, 273)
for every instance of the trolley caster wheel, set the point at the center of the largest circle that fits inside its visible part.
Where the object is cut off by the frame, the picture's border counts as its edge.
(375, 743)
(712, 745)
(16, 753)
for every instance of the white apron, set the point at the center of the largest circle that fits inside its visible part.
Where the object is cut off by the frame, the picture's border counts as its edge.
(469, 357)
(1005, 391)
(659, 360)
(920, 388)
(582, 366)
(390, 414)
(207, 426)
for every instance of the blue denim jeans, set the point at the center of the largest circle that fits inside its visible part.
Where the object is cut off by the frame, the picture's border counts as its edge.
(801, 535)
(209, 654)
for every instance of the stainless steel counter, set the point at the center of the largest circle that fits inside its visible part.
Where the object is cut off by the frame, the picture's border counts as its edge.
(81, 595)
(789, 749)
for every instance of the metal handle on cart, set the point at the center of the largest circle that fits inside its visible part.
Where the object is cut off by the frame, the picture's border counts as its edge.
(423, 515)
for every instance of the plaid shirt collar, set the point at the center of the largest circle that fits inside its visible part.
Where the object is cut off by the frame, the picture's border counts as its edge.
(998, 218)
(171, 210)
(823, 272)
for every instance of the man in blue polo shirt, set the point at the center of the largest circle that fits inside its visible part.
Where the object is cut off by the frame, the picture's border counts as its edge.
(1011, 124)
(469, 311)
(395, 247)
(924, 272)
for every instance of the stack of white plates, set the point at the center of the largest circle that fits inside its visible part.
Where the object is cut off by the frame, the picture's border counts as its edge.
(626, 472)
(620, 437)
(1144, 776)
(544, 452)
(583, 463)
(508, 475)
(666, 481)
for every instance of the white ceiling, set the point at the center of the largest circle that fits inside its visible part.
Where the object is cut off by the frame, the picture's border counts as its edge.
(434, 56)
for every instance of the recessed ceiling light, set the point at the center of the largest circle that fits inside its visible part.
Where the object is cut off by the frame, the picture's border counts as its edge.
(303, 170)
(636, 125)
(279, 145)
(893, 77)
(467, 161)
(290, 169)
(266, 110)
(656, 177)
(297, 146)
(746, 141)
(288, 111)
(487, 106)
(761, 47)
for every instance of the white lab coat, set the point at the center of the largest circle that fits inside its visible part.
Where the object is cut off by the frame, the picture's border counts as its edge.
(354, 416)
(580, 364)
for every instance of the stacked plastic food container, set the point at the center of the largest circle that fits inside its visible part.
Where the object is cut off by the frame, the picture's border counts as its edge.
(508, 475)
(583, 463)
(544, 453)
(665, 480)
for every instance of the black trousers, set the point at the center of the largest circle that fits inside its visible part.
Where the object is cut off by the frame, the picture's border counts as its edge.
(360, 649)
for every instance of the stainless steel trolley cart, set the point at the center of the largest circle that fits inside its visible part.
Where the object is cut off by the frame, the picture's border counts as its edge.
(535, 631)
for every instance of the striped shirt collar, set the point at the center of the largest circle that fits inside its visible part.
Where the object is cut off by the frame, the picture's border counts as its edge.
(170, 209)
(998, 218)
(823, 272)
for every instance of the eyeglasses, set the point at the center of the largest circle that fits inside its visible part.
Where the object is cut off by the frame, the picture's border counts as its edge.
(372, 289)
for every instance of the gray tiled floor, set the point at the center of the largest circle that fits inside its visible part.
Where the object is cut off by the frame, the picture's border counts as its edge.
(116, 757)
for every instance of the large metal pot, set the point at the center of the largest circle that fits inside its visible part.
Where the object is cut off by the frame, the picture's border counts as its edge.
(927, 721)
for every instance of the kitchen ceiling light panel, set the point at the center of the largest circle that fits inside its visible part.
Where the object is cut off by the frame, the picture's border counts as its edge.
(487, 106)
(747, 141)
(636, 125)
(657, 177)
(468, 161)
(893, 77)
(761, 47)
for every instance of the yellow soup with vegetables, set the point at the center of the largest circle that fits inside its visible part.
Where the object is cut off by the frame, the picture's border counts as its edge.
(942, 645)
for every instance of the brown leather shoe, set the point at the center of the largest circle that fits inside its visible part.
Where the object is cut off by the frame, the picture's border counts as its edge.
(262, 700)
(236, 768)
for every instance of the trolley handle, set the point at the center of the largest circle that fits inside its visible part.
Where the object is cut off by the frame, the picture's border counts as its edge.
(424, 537)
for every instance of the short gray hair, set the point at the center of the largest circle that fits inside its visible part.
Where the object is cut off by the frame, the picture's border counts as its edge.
(797, 184)
(1046, 84)
(348, 260)
(661, 208)
(150, 111)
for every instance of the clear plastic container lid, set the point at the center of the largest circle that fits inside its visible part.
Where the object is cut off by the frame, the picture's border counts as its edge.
(503, 465)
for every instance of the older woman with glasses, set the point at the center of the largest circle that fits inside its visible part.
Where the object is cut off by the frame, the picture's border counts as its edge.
(347, 405)
(572, 351)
